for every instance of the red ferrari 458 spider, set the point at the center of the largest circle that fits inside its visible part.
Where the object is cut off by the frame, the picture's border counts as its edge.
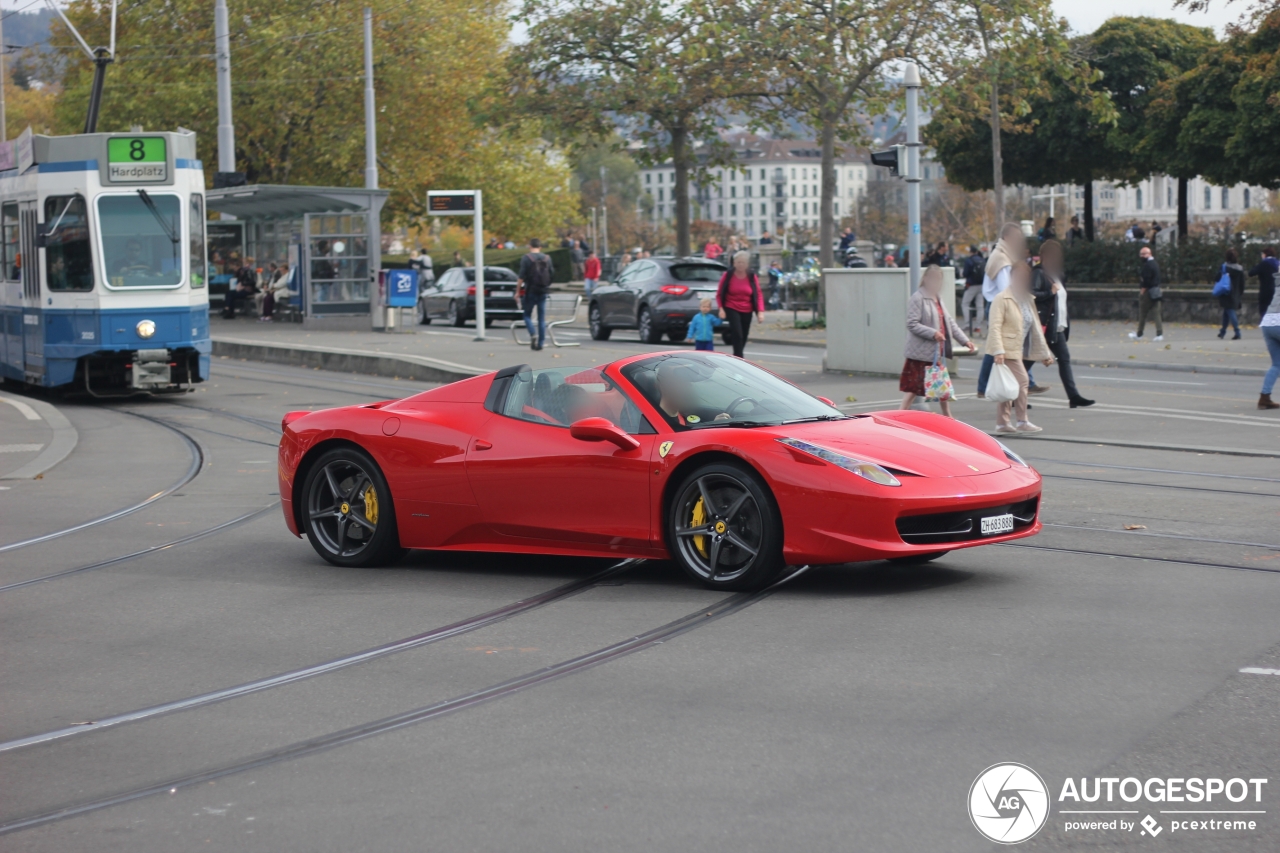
(702, 458)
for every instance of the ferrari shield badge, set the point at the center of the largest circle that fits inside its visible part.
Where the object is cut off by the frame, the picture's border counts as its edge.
(665, 448)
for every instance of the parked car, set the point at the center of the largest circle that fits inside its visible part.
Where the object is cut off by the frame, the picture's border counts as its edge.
(656, 296)
(452, 297)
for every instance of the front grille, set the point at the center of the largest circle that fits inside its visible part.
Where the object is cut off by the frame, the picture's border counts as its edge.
(962, 526)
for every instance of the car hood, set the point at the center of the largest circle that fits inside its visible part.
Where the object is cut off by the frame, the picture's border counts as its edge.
(898, 446)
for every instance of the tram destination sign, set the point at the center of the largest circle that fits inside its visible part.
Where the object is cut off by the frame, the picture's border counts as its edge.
(137, 159)
(445, 203)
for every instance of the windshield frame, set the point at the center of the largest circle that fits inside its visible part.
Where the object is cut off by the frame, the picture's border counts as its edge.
(747, 420)
(181, 250)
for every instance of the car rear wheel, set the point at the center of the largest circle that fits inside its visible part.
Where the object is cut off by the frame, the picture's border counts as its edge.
(599, 331)
(917, 559)
(649, 331)
(724, 529)
(456, 317)
(348, 514)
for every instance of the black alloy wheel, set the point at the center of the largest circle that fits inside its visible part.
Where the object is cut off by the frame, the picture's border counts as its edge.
(455, 317)
(347, 513)
(724, 529)
(599, 331)
(649, 331)
(917, 559)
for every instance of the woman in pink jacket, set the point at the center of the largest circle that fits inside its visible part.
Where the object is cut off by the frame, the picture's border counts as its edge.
(739, 297)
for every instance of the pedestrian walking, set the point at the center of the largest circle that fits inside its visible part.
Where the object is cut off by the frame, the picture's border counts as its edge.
(1048, 287)
(702, 328)
(578, 258)
(1010, 249)
(971, 303)
(1270, 326)
(534, 279)
(931, 331)
(938, 256)
(739, 296)
(890, 261)
(1014, 337)
(712, 250)
(623, 261)
(1150, 295)
(1266, 270)
(846, 240)
(591, 272)
(1075, 232)
(1049, 231)
(1233, 300)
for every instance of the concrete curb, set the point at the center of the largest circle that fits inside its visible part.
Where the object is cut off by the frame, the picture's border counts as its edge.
(65, 439)
(342, 360)
(786, 342)
(1178, 368)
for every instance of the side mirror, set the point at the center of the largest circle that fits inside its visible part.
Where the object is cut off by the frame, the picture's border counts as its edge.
(601, 429)
(828, 402)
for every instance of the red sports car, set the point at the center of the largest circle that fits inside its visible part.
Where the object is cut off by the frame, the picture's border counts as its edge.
(698, 457)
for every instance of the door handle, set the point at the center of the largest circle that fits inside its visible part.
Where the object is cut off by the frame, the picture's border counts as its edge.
(481, 444)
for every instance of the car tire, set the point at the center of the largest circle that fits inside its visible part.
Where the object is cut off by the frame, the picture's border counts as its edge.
(420, 313)
(741, 548)
(599, 331)
(917, 559)
(456, 317)
(347, 510)
(649, 331)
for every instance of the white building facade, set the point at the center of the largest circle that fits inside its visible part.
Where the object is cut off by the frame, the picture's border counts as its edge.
(1156, 198)
(777, 185)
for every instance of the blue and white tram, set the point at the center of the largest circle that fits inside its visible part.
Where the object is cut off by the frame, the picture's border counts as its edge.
(104, 269)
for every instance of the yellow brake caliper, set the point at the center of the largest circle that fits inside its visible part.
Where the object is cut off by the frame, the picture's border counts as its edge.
(371, 505)
(699, 519)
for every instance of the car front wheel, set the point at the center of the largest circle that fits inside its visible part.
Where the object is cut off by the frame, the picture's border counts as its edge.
(599, 331)
(455, 316)
(724, 528)
(348, 514)
(649, 331)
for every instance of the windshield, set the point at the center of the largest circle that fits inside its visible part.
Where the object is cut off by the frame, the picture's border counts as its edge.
(696, 272)
(141, 239)
(696, 391)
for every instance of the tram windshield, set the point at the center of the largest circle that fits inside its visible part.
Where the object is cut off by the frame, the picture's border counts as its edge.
(141, 239)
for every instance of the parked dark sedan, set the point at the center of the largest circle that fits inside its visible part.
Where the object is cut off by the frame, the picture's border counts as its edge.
(656, 296)
(452, 297)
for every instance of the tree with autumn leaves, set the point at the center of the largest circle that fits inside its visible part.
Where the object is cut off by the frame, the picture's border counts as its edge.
(297, 82)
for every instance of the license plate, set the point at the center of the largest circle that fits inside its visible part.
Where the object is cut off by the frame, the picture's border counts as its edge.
(996, 524)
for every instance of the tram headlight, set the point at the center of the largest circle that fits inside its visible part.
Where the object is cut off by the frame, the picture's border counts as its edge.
(145, 328)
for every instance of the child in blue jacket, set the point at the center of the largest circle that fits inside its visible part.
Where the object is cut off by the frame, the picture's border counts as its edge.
(702, 328)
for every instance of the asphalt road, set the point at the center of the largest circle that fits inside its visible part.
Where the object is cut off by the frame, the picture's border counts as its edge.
(849, 709)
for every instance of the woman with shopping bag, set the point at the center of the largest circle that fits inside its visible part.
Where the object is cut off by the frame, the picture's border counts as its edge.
(1014, 335)
(930, 332)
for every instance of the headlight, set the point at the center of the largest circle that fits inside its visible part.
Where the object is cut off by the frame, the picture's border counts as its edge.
(866, 470)
(1013, 457)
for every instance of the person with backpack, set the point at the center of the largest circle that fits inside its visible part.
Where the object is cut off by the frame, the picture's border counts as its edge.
(1266, 270)
(739, 296)
(1150, 295)
(534, 280)
(1231, 298)
(974, 268)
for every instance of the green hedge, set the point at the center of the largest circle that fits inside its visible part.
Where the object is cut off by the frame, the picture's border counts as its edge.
(1195, 262)
(561, 261)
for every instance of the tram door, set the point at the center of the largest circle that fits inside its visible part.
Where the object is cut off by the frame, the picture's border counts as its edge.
(32, 327)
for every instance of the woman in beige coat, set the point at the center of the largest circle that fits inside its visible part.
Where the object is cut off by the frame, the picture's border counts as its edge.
(929, 329)
(1014, 335)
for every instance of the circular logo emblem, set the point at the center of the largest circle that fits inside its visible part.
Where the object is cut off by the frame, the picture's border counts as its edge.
(145, 328)
(693, 419)
(1008, 803)
(720, 528)
(346, 508)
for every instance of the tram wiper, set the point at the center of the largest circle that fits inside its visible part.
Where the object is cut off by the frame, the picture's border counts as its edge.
(171, 233)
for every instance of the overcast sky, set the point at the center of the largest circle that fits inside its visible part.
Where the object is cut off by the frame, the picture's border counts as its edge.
(1085, 16)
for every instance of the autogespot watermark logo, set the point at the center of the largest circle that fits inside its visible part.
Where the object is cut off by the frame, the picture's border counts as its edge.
(1008, 803)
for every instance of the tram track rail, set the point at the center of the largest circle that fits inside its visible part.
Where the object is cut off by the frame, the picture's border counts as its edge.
(701, 617)
(193, 470)
(1148, 557)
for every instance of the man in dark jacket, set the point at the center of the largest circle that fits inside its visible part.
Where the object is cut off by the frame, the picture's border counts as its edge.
(974, 267)
(535, 280)
(1149, 295)
(1266, 270)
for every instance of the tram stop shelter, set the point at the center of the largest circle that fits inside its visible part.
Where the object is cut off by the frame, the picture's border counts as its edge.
(330, 237)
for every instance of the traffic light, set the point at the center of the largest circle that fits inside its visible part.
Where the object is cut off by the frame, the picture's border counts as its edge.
(895, 159)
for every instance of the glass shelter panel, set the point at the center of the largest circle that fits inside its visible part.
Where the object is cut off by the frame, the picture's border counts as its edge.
(338, 253)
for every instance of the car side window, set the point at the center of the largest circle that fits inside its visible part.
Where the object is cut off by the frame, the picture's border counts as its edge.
(627, 274)
(563, 395)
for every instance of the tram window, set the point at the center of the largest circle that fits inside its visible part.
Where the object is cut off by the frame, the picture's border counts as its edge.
(141, 239)
(9, 215)
(67, 260)
(195, 238)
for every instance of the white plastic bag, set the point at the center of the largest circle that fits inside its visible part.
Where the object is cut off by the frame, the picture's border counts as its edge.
(1002, 387)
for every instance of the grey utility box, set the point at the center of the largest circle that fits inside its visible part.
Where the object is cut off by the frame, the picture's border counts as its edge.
(867, 318)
